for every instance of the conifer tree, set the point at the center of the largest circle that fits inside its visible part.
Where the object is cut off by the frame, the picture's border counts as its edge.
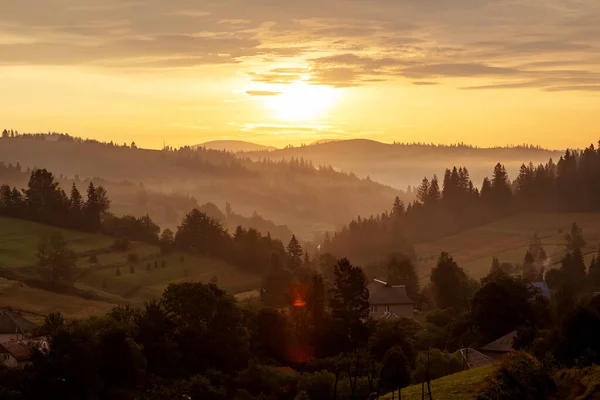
(295, 252)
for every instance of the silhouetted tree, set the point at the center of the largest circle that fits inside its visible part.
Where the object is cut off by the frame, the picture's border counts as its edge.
(451, 285)
(55, 259)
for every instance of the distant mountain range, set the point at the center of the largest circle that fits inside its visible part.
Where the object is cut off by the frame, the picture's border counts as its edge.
(235, 146)
(400, 165)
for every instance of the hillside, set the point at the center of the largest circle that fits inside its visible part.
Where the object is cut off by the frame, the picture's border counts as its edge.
(138, 281)
(508, 239)
(461, 386)
(235, 146)
(400, 165)
(307, 199)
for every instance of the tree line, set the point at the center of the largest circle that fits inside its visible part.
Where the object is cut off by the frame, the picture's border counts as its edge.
(455, 203)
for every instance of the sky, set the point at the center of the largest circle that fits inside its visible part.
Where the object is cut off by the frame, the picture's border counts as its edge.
(277, 72)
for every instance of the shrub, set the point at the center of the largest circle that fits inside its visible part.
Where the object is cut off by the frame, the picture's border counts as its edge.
(133, 258)
(120, 244)
(520, 376)
(118, 273)
(317, 385)
(440, 364)
(302, 396)
(93, 259)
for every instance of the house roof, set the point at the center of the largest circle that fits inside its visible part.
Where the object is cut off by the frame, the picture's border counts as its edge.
(19, 350)
(543, 287)
(381, 293)
(501, 345)
(12, 322)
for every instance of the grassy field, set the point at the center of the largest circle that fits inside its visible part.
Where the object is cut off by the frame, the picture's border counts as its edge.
(465, 385)
(41, 302)
(508, 239)
(143, 284)
(19, 240)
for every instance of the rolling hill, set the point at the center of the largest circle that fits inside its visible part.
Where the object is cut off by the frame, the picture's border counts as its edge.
(235, 146)
(400, 165)
(508, 239)
(306, 199)
(137, 282)
(464, 385)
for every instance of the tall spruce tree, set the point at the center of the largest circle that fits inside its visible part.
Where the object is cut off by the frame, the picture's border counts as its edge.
(295, 252)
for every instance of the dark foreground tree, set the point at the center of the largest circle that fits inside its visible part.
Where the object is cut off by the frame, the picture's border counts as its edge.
(451, 285)
(349, 300)
(55, 259)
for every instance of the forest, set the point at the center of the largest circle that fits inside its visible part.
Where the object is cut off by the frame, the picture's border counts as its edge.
(310, 335)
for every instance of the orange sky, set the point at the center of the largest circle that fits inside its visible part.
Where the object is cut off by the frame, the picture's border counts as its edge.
(486, 72)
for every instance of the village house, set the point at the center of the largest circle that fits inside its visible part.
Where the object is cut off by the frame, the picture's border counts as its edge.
(389, 301)
(500, 347)
(13, 326)
(15, 354)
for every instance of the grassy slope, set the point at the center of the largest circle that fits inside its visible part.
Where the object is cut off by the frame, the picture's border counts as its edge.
(462, 386)
(508, 240)
(41, 302)
(18, 240)
(142, 285)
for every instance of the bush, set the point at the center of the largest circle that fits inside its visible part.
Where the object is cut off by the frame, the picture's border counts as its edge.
(317, 385)
(133, 258)
(520, 376)
(118, 273)
(578, 384)
(441, 364)
(302, 396)
(120, 244)
(93, 259)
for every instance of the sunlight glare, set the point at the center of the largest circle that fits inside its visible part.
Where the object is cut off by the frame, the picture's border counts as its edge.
(301, 102)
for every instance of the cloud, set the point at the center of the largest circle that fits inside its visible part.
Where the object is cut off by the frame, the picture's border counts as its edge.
(456, 70)
(261, 93)
(341, 43)
(425, 83)
(583, 88)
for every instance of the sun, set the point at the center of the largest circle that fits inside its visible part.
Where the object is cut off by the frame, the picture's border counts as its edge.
(300, 102)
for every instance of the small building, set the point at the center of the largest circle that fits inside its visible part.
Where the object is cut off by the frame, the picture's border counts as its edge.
(15, 354)
(389, 301)
(500, 347)
(543, 289)
(13, 326)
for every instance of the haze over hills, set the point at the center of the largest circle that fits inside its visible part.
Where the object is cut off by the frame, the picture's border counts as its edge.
(400, 165)
(306, 199)
(235, 146)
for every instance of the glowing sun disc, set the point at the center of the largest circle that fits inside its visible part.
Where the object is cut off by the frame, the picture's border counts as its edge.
(301, 102)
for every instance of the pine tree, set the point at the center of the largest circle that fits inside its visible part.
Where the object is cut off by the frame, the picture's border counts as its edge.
(575, 238)
(349, 300)
(423, 191)
(433, 194)
(295, 252)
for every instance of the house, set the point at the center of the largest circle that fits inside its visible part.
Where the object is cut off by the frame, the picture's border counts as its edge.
(500, 347)
(13, 326)
(543, 288)
(15, 354)
(389, 301)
